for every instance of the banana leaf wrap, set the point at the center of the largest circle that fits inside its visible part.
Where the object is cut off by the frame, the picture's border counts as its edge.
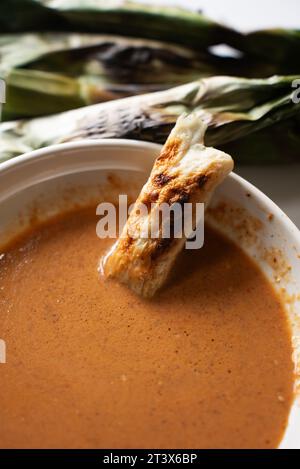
(277, 47)
(271, 51)
(232, 108)
(127, 18)
(48, 73)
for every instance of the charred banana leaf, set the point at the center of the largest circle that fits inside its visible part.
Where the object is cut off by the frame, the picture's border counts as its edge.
(231, 107)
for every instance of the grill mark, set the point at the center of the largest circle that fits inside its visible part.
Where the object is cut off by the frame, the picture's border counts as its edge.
(161, 179)
(179, 196)
(202, 180)
(170, 150)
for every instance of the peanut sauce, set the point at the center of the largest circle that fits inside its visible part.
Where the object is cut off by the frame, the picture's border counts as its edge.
(206, 364)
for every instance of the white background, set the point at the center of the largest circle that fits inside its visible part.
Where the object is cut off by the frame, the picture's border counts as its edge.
(281, 183)
(244, 15)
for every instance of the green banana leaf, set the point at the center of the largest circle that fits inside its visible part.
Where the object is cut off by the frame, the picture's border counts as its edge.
(278, 47)
(127, 18)
(232, 108)
(278, 143)
(273, 51)
(48, 73)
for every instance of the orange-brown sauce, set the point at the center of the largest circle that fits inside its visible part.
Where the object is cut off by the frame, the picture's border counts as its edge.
(206, 364)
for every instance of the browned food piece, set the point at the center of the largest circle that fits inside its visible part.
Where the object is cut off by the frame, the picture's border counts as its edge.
(185, 172)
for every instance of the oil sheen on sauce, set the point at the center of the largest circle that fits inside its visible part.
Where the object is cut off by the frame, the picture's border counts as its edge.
(206, 364)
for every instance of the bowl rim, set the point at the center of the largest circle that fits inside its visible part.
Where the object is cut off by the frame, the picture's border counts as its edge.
(136, 144)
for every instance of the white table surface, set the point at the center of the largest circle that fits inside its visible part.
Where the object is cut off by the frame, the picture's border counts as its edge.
(282, 184)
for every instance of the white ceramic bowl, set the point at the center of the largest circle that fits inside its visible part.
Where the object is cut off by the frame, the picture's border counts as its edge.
(2, 95)
(53, 178)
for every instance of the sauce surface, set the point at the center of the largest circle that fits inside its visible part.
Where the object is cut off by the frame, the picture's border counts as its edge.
(207, 364)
